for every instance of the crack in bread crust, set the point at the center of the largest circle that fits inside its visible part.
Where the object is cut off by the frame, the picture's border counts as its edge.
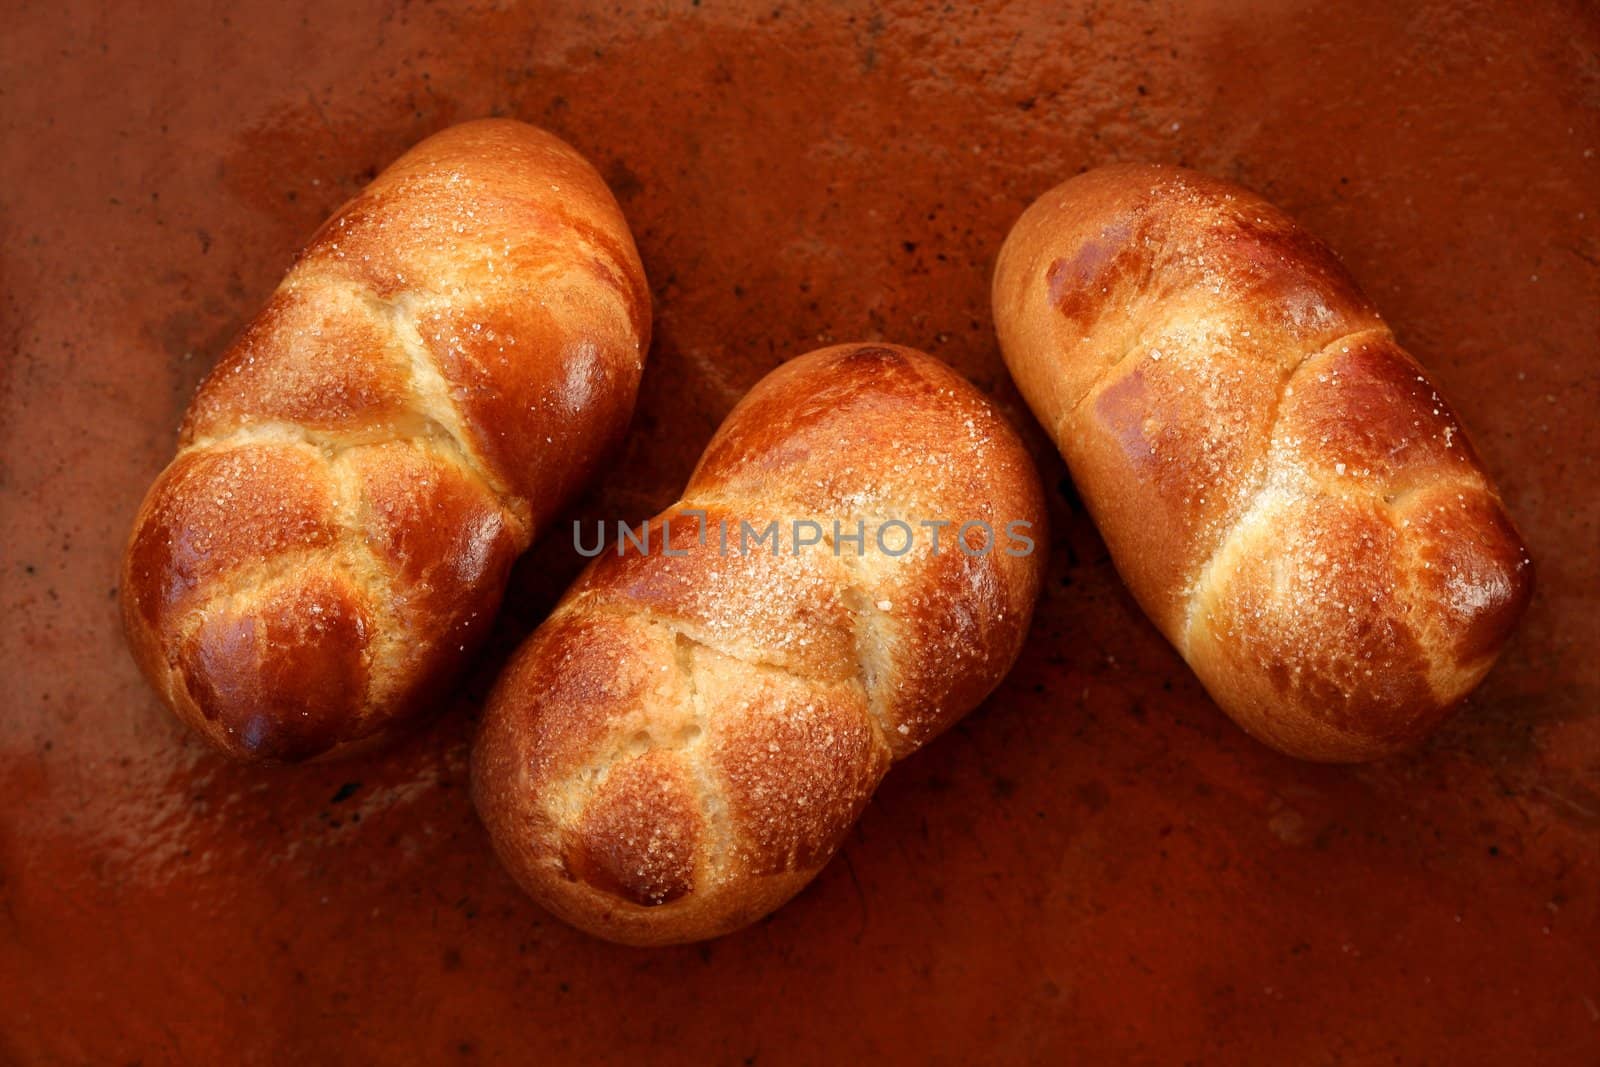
(1261, 477)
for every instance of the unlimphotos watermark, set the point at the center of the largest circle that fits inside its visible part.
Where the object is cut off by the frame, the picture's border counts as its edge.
(891, 537)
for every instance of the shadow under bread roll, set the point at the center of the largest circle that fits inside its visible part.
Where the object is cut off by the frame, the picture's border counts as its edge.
(1281, 486)
(686, 741)
(441, 369)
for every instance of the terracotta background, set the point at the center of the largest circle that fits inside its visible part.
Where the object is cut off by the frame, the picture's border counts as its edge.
(1096, 865)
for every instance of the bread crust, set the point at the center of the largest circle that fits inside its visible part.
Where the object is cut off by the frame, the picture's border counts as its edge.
(446, 362)
(686, 741)
(1280, 484)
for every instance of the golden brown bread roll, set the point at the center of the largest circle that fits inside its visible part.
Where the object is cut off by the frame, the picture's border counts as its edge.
(682, 746)
(1279, 483)
(441, 368)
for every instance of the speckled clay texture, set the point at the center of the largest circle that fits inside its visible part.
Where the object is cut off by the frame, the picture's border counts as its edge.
(1096, 865)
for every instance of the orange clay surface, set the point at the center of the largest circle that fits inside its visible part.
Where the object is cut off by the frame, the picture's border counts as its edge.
(1096, 866)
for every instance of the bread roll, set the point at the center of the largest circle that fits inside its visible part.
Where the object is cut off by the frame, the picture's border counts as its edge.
(683, 745)
(1283, 489)
(439, 371)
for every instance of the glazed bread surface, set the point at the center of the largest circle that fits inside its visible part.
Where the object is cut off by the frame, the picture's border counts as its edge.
(443, 365)
(1280, 484)
(683, 745)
